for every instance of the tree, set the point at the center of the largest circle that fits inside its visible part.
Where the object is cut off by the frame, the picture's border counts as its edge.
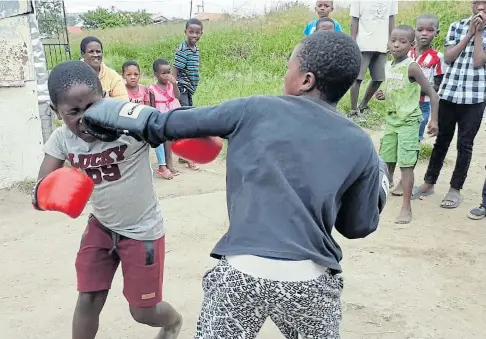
(112, 17)
(50, 16)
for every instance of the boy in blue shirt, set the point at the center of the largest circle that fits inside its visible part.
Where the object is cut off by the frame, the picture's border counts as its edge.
(278, 259)
(323, 9)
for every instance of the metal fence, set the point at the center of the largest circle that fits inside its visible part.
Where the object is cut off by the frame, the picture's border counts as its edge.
(51, 15)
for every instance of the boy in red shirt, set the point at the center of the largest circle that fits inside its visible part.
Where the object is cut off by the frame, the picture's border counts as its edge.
(430, 60)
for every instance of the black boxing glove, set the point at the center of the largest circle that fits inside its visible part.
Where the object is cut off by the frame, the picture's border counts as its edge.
(107, 119)
(384, 184)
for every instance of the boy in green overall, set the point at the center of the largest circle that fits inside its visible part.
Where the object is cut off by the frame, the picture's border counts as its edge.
(400, 144)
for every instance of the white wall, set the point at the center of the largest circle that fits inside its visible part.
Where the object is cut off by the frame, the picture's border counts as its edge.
(20, 126)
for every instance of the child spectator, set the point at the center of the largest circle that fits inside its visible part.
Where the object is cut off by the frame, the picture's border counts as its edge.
(323, 9)
(429, 60)
(325, 24)
(186, 65)
(136, 93)
(400, 143)
(186, 68)
(166, 96)
(463, 100)
(371, 25)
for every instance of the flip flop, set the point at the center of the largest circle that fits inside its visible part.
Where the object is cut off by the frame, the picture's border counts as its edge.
(166, 174)
(454, 197)
(417, 193)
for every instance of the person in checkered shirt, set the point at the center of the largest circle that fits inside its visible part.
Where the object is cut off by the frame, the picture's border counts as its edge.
(429, 59)
(463, 100)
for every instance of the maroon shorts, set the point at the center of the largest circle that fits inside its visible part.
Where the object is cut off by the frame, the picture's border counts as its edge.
(142, 263)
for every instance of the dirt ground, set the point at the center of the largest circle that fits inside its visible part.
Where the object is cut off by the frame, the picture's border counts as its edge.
(424, 280)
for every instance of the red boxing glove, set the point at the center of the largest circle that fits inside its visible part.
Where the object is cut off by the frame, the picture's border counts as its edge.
(65, 190)
(198, 150)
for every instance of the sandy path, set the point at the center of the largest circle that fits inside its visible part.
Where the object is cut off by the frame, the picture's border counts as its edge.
(425, 280)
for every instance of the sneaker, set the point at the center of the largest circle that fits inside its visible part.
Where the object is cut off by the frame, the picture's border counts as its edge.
(477, 213)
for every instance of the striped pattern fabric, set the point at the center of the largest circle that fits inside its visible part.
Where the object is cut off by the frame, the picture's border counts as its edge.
(187, 64)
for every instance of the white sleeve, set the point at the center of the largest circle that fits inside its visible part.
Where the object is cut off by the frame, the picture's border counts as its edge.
(394, 8)
(55, 146)
(354, 9)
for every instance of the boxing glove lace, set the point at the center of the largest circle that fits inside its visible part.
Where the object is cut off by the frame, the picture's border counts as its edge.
(66, 190)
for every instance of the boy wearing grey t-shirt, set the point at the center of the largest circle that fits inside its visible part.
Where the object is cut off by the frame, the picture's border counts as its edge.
(126, 225)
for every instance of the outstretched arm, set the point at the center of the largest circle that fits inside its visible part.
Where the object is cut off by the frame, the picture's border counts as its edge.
(109, 116)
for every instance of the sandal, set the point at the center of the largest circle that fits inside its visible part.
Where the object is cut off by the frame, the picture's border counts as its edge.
(451, 200)
(477, 213)
(166, 174)
(418, 194)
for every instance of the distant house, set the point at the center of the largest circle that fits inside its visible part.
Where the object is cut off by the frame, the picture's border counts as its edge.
(158, 18)
(211, 16)
(74, 29)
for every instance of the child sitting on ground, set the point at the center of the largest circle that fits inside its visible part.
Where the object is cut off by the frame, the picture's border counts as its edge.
(430, 60)
(325, 24)
(136, 93)
(323, 9)
(166, 96)
(400, 144)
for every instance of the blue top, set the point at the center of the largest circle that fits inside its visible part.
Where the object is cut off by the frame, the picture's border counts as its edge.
(295, 169)
(187, 64)
(311, 27)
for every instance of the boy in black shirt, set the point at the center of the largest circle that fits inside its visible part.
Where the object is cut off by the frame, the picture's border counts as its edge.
(296, 168)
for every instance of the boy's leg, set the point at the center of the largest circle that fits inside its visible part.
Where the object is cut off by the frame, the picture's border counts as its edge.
(143, 275)
(354, 90)
(408, 153)
(162, 169)
(425, 108)
(310, 308)
(234, 305)
(168, 158)
(377, 72)
(95, 269)
(469, 119)
(447, 128)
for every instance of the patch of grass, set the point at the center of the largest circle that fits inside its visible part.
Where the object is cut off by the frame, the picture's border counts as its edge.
(25, 186)
(425, 151)
(240, 58)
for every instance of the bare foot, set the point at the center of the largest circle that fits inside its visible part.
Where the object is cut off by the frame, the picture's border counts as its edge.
(398, 191)
(405, 217)
(171, 332)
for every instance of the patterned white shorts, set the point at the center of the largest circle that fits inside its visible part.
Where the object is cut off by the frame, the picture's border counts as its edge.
(236, 305)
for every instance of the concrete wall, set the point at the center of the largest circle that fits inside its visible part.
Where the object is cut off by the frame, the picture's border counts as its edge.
(20, 126)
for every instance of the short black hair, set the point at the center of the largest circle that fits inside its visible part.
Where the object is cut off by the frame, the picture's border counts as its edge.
(69, 73)
(335, 60)
(130, 63)
(194, 21)
(431, 17)
(326, 19)
(407, 29)
(87, 40)
(159, 62)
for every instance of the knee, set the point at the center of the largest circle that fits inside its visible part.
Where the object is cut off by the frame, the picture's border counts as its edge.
(91, 302)
(143, 315)
(376, 83)
(464, 146)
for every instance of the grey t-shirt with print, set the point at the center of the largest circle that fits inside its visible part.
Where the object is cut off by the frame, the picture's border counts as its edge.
(124, 198)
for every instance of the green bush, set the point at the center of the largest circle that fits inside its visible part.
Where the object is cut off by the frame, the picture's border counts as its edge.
(244, 57)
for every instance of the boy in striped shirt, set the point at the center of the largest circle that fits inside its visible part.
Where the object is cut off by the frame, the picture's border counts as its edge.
(186, 68)
(186, 65)
(430, 60)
